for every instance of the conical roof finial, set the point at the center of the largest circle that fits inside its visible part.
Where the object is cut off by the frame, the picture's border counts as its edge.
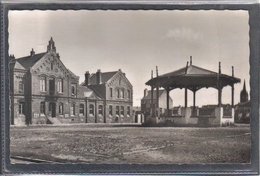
(244, 87)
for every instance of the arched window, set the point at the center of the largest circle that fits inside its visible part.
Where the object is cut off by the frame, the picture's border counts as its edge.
(91, 109)
(122, 111)
(43, 84)
(61, 108)
(21, 87)
(60, 85)
(122, 93)
(100, 110)
(117, 110)
(51, 66)
(128, 110)
(128, 94)
(81, 109)
(111, 92)
(22, 107)
(73, 90)
(110, 110)
(42, 108)
(72, 109)
(118, 93)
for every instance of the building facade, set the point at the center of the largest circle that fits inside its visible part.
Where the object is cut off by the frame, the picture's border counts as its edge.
(43, 90)
(146, 106)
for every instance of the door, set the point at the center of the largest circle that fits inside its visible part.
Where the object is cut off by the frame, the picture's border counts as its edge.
(52, 86)
(52, 109)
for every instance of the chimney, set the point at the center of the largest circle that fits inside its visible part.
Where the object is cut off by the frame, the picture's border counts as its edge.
(157, 71)
(98, 76)
(11, 57)
(233, 71)
(32, 52)
(190, 60)
(87, 78)
(145, 92)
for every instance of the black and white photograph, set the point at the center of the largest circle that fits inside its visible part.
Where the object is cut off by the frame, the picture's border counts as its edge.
(129, 87)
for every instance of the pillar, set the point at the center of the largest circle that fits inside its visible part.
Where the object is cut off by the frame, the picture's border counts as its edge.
(219, 96)
(194, 99)
(152, 106)
(167, 101)
(186, 97)
(232, 95)
(157, 100)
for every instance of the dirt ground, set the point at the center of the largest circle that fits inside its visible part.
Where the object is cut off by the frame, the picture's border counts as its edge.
(131, 144)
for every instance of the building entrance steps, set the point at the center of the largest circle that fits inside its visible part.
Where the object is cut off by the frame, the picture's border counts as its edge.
(54, 120)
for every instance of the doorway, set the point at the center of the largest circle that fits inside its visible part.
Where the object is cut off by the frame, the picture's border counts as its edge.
(52, 86)
(52, 109)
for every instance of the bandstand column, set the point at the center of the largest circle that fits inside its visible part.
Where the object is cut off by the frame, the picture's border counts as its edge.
(168, 97)
(157, 93)
(219, 96)
(186, 97)
(152, 106)
(232, 95)
(157, 100)
(194, 99)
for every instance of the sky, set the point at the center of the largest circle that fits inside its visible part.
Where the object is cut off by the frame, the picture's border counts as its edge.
(138, 41)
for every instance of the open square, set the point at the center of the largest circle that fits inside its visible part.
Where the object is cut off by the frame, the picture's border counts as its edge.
(129, 144)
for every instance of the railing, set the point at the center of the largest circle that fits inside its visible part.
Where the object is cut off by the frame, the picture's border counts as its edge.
(207, 111)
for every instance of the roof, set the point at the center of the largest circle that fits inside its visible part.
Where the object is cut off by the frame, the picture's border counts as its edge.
(192, 77)
(105, 76)
(191, 70)
(149, 95)
(29, 61)
(87, 92)
(73, 75)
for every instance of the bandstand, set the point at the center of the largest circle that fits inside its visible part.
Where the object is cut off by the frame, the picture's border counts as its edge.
(192, 78)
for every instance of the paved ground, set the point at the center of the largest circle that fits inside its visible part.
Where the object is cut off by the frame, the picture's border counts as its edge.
(131, 144)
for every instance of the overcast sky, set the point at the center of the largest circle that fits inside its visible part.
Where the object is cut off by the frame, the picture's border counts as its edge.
(137, 42)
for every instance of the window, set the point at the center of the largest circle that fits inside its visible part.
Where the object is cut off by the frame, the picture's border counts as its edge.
(111, 92)
(42, 107)
(72, 109)
(118, 93)
(91, 109)
(21, 107)
(128, 94)
(43, 84)
(117, 110)
(110, 110)
(51, 66)
(61, 108)
(122, 93)
(100, 110)
(128, 110)
(73, 90)
(21, 87)
(122, 111)
(81, 109)
(60, 86)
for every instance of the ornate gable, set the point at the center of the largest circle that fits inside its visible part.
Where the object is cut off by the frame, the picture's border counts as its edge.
(120, 79)
(50, 63)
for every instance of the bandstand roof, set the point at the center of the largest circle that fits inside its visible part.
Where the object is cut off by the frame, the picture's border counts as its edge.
(193, 78)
